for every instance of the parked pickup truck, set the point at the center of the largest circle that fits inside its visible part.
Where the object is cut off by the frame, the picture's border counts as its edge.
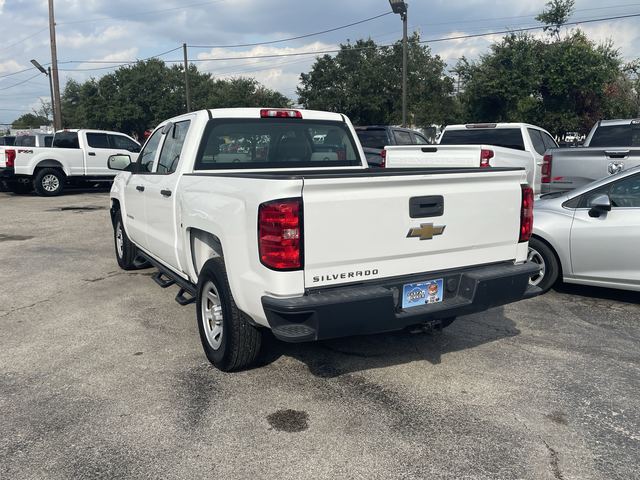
(610, 147)
(481, 145)
(304, 239)
(77, 156)
(375, 137)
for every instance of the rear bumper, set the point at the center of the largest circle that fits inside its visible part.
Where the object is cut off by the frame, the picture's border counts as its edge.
(368, 309)
(7, 173)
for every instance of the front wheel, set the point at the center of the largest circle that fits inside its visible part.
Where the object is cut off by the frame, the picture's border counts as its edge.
(229, 340)
(543, 256)
(49, 182)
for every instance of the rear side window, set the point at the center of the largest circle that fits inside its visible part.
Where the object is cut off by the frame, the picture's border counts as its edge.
(536, 140)
(26, 141)
(420, 140)
(66, 140)
(500, 137)
(172, 148)
(375, 138)
(402, 138)
(549, 142)
(616, 136)
(275, 143)
(97, 140)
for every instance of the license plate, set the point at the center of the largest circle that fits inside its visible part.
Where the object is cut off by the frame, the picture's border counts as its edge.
(423, 293)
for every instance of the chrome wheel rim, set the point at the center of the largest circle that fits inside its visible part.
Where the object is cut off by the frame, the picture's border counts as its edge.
(212, 318)
(119, 240)
(50, 183)
(535, 257)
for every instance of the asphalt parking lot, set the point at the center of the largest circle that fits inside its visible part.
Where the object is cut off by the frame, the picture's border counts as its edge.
(102, 376)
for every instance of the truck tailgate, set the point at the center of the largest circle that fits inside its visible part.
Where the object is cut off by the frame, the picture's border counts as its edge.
(361, 227)
(433, 156)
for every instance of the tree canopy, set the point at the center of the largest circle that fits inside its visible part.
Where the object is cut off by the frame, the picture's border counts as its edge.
(30, 120)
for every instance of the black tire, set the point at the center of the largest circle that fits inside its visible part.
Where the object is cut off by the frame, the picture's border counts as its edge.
(236, 344)
(542, 254)
(127, 253)
(49, 182)
(20, 188)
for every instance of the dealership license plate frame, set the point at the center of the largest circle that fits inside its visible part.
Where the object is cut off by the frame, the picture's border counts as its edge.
(422, 293)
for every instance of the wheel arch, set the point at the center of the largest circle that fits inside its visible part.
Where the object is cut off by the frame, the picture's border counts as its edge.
(561, 267)
(203, 246)
(49, 163)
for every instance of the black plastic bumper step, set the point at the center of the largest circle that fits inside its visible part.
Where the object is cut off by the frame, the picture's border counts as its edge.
(163, 280)
(185, 300)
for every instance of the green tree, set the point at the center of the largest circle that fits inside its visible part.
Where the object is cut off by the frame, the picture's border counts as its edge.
(30, 120)
(364, 82)
(555, 15)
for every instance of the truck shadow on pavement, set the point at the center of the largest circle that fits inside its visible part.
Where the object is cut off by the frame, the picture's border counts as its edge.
(598, 293)
(332, 358)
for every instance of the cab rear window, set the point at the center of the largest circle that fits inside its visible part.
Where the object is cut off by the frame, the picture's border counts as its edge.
(616, 136)
(275, 143)
(500, 137)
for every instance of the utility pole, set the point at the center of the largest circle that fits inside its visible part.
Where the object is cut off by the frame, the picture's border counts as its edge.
(404, 67)
(57, 105)
(186, 77)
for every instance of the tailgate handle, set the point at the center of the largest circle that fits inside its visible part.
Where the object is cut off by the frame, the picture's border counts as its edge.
(429, 150)
(617, 153)
(422, 207)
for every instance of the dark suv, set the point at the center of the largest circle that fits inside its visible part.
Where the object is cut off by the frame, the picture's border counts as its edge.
(374, 138)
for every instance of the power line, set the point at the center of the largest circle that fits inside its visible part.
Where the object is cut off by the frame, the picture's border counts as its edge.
(295, 38)
(7, 47)
(16, 73)
(20, 83)
(138, 14)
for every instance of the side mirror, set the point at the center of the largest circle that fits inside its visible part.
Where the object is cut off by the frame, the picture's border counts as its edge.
(119, 162)
(599, 205)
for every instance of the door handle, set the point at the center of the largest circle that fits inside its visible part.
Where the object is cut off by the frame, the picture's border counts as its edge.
(140, 188)
(92, 154)
(616, 153)
(165, 193)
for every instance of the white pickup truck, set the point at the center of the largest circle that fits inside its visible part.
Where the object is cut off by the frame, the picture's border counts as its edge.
(302, 238)
(481, 145)
(76, 156)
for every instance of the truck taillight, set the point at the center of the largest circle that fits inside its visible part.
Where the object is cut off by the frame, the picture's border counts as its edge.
(279, 113)
(280, 234)
(485, 156)
(547, 160)
(10, 158)
(383, 154)
(526, 214)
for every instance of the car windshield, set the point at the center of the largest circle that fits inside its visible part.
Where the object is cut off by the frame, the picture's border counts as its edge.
(500, 137)
(276, 143)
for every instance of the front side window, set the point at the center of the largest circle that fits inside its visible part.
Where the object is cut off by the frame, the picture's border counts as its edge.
(148, 154)
(275, 143)
(624, 193)
(172, 148)
(97, 140)
(120, 142)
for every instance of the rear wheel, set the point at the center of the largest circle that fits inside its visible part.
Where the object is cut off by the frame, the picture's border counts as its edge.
(229, 340)
(49, 182)
(541, 254)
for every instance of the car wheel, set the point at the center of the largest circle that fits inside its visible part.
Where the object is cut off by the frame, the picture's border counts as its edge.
(49, 182)
(127, 253)
(541, 254)
(229, 340)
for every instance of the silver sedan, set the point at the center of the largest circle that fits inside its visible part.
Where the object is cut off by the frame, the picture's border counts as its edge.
(591, 235)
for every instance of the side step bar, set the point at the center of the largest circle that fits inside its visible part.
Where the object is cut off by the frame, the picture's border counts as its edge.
(165, 278)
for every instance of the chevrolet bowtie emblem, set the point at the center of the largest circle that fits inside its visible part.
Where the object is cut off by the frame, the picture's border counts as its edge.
(426, 231)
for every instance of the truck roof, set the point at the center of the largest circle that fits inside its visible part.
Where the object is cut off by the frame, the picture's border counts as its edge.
(255, 113)
(488, 125)
(625, 121)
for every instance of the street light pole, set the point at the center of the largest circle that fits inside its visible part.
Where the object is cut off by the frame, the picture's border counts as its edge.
(400, 7)
(48, 74)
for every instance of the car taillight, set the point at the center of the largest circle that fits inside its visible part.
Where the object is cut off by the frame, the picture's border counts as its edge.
(526, 214)
(279, 113)
(383, 154)
(280, 234)
(547, 160)
(10, 158)
(485, 156)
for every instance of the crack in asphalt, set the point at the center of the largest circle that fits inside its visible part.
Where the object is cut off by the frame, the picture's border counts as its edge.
(554, 462)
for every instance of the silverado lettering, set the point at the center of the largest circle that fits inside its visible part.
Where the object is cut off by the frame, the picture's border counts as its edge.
(342, 276)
